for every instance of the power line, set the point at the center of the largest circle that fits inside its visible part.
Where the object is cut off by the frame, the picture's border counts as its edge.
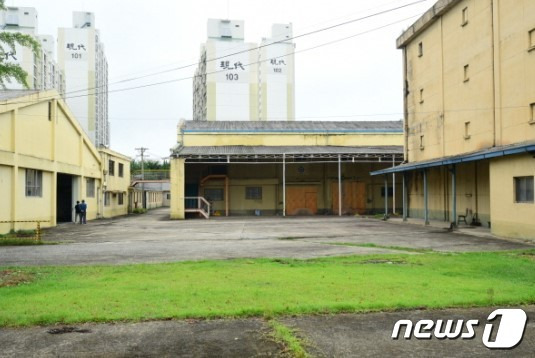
(221, 71)
(242, 51)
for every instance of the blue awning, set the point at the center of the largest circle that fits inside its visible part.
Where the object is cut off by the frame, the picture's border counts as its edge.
(471, 157)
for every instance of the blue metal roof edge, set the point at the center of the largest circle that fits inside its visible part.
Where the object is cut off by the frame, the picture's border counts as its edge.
(462, 159)
(293, 130)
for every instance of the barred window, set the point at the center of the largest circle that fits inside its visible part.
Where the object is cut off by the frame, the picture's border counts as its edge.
(213, 194)
(107, 198)
(120, 199)
(523, 189)
(90, 187)
(34, 182)
(111, 167)
(253, 193)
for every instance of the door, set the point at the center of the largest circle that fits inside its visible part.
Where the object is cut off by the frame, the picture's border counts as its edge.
(64, 207)
(301, 200)
(353, 197)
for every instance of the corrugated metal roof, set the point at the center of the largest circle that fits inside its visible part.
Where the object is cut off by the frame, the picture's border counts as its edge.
(488, 153)
(292, 126)
(279, 150)
(10, 94)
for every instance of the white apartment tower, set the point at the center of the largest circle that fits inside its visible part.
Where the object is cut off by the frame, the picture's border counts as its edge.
(233, 79)
(276, 77)
(81, 57)
(43, 72)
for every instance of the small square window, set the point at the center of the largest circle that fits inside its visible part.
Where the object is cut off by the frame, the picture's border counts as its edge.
(390, 192)
(111, 167)
(420, 49)
(531, 40)
(213, 194)
(90, 187)
(466, 130)
(466, 73)
(34, 182)
(523, 189)
(253, 193)
(421, 95)
(464, 20)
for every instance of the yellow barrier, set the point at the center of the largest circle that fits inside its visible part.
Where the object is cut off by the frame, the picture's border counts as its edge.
(37, 229)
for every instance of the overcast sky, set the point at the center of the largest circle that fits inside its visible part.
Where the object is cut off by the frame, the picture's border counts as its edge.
(354, 79)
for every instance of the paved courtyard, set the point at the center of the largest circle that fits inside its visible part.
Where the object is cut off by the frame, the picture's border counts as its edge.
(152, 237)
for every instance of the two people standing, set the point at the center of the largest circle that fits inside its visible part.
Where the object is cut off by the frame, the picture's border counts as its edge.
(80, 210)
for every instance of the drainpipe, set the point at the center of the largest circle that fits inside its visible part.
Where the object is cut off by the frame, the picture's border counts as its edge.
(454, 196)
(426, 207)
(386, 197)
(404, 183)
(339, 186)
(405, 108)
(283, 184)
(393, 186)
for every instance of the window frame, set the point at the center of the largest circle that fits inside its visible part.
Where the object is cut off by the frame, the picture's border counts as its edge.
(90, 187)
(107, 198)
(219, 197)
(111, 167)
(253, 193)
(120, 169)
(33, 187)
(120, 199)
(526, 181)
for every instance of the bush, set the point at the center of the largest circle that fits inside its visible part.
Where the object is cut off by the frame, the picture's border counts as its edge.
(139, 211)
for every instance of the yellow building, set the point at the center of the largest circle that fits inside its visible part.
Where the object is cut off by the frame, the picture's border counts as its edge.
(469, 70)
(47, 162)
(116, 180)
(282, 168)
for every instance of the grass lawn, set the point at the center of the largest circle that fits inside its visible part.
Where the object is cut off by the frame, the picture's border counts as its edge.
(264, 287)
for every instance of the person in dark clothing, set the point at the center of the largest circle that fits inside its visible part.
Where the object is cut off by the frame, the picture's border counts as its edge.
(77, 212)
(83, 211)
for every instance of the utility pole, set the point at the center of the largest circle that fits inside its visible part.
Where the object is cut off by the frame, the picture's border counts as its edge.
(142, 151)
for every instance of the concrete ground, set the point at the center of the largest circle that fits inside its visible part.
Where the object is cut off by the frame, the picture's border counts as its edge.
(343, 335)
(152, 237)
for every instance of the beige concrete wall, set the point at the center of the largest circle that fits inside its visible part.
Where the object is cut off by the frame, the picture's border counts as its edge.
(177, 174)
(115, 184)
(473, 193)
(52, 142)
(269, 177)
(284, 139)
(495, 96)
(511, 219)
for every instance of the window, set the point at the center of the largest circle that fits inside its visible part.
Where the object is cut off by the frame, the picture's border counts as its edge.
(466, 130)
(213, 194)
(49, 111)
(34, 182)
(390, 192)
(421, 142)
(421, 95)
(464, 19)
(107, 198)
(168, 196)
(465, 73)
(523, 189)
(111, 167)
(120, 199)
(531, 35)
(532, 111)
(90, 187)
(420, 49)
(253, 193)
(121, 170)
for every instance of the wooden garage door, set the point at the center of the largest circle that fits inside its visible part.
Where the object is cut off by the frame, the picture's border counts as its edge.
(353, 197)
(301, 200)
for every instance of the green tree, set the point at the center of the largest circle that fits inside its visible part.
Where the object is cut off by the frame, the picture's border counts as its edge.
(8, 41)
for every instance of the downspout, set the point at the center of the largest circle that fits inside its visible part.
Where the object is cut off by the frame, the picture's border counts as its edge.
(405, 109)
(493, 76)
